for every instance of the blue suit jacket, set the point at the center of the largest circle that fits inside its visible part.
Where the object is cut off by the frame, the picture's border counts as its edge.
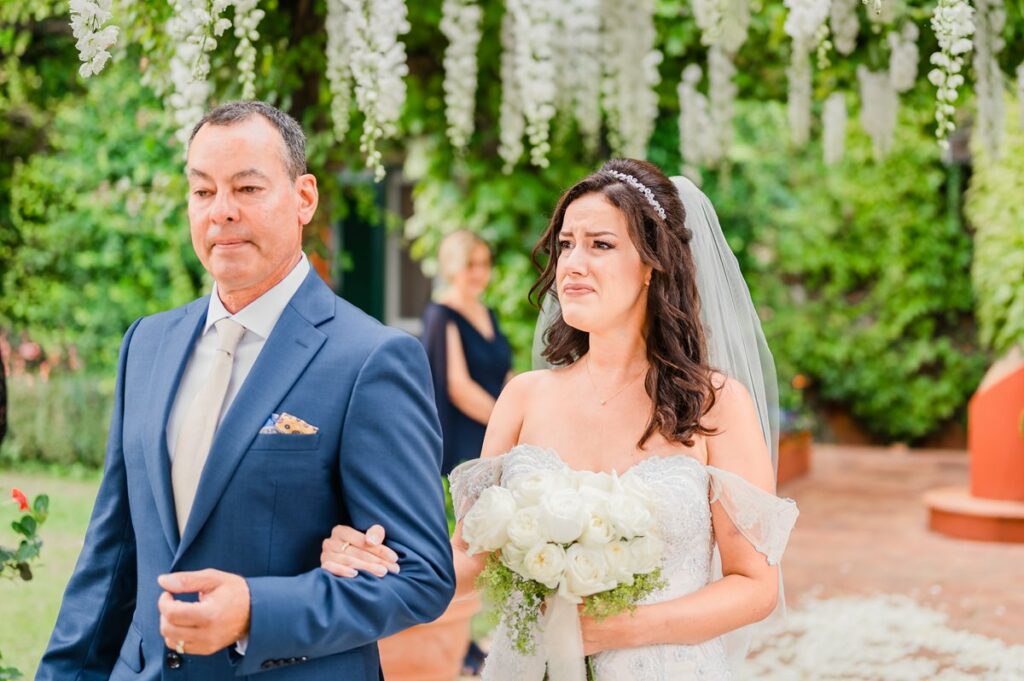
(265, 503)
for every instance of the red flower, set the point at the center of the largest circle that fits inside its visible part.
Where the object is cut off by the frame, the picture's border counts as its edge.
(20, 497)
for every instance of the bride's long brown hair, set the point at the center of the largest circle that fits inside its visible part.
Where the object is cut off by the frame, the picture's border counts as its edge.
(679, 378)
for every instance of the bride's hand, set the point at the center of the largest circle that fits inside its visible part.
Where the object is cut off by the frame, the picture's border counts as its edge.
(617, 631)
(348, 550)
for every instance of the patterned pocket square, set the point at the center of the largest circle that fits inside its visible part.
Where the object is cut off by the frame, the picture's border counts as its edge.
(286, 424)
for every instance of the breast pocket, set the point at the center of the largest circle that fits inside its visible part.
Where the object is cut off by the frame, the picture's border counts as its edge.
(279, 442)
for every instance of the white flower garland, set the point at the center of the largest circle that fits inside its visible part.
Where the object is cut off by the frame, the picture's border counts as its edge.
(879, 105)
(1020, 93)
(989, 85)
(535, 72)
(247, 21)
(845, 25)
(194, 27)
(722, 92)
(834, 120)
(904, 57)
(805, 24)
(511, 125)
(460, 23)
(953, 24)
(93, 39)
(580, 36)
(339, 72)
(630, 75)
(696, 139)
(372, 28)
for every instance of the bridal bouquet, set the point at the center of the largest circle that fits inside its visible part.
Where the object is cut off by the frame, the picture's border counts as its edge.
(559, 539)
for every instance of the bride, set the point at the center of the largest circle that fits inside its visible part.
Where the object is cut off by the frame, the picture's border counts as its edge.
(659, 369)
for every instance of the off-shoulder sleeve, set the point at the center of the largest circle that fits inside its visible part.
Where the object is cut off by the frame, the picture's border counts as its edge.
(763, 518)
(470, 478)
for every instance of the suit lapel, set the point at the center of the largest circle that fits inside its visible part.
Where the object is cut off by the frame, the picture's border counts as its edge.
(168, 366)
(290, 348)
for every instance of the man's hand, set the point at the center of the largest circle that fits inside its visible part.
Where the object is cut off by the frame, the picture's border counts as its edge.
(219, 619)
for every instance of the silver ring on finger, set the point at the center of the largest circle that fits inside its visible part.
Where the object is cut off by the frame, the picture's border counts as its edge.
(344, 547)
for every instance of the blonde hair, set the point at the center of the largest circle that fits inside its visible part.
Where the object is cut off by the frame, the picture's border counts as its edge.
(454, 254)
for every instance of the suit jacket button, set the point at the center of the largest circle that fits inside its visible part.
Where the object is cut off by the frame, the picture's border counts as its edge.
(173, 660)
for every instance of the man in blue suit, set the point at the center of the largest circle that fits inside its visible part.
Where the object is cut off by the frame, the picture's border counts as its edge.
(246, 425)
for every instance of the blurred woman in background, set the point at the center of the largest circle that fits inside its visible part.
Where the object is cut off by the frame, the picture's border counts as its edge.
(470, 358)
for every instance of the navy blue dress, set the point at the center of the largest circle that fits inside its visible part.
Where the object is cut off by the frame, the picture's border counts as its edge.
(488, 360)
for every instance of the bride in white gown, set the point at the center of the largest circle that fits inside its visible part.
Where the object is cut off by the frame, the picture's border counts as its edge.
(660, 371)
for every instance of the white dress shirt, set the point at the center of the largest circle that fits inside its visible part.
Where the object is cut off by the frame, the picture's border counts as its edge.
(258, 318)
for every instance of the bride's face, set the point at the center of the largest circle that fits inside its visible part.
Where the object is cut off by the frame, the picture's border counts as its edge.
(600, 277)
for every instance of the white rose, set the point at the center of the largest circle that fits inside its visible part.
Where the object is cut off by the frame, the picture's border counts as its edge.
(586, 571)
(629, 515)
(563, 515)
(530, 488)
(512, 556)
(646, 553)
(592, 480)
(485, 526)
(525, 529)
(633, 485)
(599, 529)
(620, 563)
(545, 563)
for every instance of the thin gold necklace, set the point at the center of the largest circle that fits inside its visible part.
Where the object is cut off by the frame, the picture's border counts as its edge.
(617, 392)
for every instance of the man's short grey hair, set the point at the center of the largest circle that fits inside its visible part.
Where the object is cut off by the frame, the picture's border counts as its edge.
(291, 132)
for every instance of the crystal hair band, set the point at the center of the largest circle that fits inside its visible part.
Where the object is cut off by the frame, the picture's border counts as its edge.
(640, 187)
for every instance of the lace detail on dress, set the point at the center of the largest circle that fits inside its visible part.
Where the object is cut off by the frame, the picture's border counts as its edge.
(763, 518)
(471, 478)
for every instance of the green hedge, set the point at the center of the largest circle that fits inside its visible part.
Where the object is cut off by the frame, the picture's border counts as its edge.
(861, 271)
(62, 421)
(996, 211)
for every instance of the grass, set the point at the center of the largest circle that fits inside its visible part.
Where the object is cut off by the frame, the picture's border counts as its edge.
(29, 609)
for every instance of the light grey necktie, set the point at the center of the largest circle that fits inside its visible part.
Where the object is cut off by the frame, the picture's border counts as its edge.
(200, 423)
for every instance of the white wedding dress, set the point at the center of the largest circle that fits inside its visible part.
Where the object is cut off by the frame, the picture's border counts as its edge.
(684, 490)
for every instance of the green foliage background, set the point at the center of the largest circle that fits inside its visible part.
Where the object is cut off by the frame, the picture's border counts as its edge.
(861, 271)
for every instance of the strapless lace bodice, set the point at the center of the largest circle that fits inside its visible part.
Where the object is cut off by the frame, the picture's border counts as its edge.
(683, 490)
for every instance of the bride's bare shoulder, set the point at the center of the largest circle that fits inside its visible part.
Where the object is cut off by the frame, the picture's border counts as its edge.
(510, 410)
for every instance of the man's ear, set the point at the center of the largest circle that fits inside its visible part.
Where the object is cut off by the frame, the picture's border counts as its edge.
(309, 197)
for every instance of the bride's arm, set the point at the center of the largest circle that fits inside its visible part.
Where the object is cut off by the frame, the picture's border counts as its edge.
(748, 590)
(348, 550)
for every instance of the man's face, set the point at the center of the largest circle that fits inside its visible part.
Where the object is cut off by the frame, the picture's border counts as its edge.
(246, 214)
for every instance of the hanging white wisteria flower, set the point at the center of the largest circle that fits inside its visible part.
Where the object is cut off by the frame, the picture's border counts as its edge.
(834, 121)
(580, 65)
(798, 99)
(875, 5)
(953, 23)
(989, 86)
(247, 20)
(845, 25)
(879, 105)
(93, 39)
(805, 24)
(511, 125)
(460, 23)
(535, 72)
(339, 71)
(630, 75)
(903, 57)
(722, 22)
(697, 141)
(377, 59)
(1020, 93)
(194, 27)
(721, 96)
